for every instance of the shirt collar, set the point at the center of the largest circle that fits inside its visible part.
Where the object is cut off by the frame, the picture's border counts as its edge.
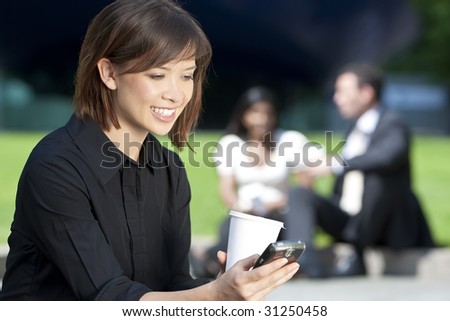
(103, 156)
(368, 121)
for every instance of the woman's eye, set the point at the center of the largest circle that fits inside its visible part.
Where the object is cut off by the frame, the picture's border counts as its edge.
(156, 76)
(188, 77)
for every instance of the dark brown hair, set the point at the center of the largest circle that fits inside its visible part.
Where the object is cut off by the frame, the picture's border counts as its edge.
(139, 35)
(366, 74)
(247, 99)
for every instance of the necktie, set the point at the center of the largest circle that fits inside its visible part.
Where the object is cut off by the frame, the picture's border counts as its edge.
(353, 184)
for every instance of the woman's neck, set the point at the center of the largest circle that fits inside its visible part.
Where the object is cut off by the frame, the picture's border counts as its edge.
(256, 137)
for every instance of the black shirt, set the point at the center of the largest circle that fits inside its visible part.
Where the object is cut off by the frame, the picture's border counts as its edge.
(90, 223)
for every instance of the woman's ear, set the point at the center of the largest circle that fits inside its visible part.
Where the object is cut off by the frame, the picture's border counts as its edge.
(107, 73)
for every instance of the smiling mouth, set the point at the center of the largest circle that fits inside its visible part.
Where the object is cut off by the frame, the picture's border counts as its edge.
(164, 112)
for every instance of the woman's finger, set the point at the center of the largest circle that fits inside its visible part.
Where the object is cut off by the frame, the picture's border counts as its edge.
(273, 281)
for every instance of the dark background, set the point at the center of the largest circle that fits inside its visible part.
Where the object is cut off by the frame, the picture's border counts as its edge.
(293, 46)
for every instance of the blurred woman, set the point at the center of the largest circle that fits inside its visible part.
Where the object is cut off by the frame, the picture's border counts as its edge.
(257, 162)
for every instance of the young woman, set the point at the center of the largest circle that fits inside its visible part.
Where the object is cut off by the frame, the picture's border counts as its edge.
(255, 163)
(102, 208)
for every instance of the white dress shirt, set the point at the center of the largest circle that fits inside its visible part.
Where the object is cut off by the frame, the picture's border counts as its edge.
(357, 142)
(366, 124)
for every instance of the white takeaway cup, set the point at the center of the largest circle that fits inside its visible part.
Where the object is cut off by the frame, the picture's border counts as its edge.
(248, 235)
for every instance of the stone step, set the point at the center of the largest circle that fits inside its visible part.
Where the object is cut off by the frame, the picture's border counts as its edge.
(420, 262)
(424, 263)
(427, 263)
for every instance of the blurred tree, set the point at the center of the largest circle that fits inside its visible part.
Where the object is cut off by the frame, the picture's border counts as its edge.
(431, 53)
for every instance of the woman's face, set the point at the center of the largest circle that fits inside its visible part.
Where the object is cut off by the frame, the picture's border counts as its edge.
(151, 101)
(259, 119)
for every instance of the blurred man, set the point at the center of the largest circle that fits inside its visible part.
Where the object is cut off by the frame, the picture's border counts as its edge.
(372, 202)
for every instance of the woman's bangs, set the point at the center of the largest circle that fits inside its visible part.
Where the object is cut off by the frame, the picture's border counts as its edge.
(172, 41)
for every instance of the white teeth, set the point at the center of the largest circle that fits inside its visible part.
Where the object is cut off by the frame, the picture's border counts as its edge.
(163, 111)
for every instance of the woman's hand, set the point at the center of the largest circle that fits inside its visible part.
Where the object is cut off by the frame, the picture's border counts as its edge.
(238, 283)
(241, 283)
(222, 260)
(276, 205)
(323, 168)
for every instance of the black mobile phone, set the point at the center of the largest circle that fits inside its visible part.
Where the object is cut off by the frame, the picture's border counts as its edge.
(291, 250)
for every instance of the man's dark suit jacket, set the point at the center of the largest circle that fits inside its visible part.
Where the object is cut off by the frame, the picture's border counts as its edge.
(391, 214)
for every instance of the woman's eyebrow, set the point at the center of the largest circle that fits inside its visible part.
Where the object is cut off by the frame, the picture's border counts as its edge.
(187, 68)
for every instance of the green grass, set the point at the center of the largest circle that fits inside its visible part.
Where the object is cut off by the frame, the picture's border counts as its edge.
(430, 169)
(15, 149)
(431, 181)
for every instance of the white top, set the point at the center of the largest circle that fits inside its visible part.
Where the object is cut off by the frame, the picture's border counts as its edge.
(268, 182)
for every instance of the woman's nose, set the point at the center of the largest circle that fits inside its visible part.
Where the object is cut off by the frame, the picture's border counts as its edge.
(262, 118)
(173, 92)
